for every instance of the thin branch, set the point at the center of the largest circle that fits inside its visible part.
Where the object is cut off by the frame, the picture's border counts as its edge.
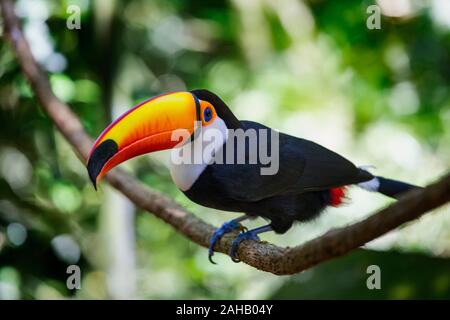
(263, 256)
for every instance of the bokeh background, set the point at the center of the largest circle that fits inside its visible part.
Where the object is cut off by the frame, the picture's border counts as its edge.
(308, 68)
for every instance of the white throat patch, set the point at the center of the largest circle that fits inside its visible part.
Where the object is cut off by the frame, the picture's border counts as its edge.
(210, 140)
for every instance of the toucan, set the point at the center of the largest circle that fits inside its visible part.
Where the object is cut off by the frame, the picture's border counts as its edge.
(308, 177)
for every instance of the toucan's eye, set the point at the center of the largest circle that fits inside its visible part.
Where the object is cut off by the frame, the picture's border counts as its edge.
(207, 114)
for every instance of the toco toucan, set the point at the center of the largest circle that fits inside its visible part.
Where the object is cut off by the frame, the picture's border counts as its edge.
(308, 177)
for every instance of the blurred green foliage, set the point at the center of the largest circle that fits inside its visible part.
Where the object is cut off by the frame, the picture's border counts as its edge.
(402, 277)
(310, 68)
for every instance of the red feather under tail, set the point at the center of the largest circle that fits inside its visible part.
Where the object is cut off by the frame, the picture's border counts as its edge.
(337, 196)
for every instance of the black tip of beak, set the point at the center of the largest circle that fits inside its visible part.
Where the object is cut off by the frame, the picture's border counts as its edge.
(102, 153)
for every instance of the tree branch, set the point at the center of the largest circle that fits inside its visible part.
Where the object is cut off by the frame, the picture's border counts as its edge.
(263, 256)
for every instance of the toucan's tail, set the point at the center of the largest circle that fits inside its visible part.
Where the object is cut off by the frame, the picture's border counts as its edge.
(388, 187)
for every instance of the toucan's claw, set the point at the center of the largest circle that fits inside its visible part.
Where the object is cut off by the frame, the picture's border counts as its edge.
(249, 235)
(210, 255)
(225, 228)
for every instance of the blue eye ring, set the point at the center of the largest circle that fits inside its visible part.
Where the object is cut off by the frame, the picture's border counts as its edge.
(207, 114)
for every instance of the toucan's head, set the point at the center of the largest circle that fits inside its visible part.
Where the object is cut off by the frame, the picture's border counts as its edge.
(150, 127)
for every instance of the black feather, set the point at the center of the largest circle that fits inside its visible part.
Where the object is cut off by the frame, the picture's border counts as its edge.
(299, 191)
(221, 108)
(394, 188)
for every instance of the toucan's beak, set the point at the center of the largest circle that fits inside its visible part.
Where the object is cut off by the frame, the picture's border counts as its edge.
(148, 127)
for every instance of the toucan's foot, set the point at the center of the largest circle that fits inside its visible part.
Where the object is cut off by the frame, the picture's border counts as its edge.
(225, 228)
(249, 235)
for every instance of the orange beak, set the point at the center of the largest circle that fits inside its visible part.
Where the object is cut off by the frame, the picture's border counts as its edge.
(148, 127)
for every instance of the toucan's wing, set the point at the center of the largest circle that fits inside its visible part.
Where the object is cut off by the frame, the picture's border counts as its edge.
(302, 166)
(325, 169)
